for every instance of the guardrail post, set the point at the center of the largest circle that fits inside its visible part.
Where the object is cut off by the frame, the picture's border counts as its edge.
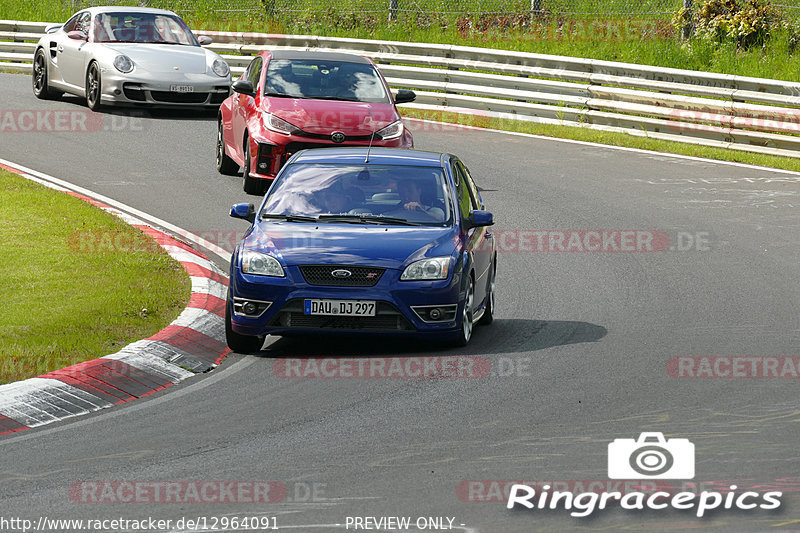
(688, 28)
(536, 6)
(393, 8)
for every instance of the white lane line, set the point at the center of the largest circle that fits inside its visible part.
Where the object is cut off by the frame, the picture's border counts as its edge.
(612, 147)
(208, 245)
(142, 403)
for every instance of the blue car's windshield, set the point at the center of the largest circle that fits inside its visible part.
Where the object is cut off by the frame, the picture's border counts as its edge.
(134, 27)
(326, 79)
(361, 194)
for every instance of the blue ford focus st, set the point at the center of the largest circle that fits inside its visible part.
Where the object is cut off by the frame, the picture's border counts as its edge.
(351, 240)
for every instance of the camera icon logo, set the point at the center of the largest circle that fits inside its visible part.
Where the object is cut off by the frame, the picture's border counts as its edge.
(652, 457)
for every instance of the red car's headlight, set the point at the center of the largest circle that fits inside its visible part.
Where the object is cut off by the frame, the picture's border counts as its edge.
(392, 131)
(279, 125)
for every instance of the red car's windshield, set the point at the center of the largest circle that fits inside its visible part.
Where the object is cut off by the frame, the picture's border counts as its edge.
(142, 28)
(323, 79)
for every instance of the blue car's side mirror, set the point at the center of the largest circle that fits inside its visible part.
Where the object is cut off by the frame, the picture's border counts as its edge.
(481, 218)
(244, 211)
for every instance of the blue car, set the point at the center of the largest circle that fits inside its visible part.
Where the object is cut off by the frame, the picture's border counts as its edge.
(356, 240)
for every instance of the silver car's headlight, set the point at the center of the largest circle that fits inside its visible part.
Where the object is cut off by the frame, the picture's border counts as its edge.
(261, 264)
(220, 68)
(278, 124)
(427, 269)
(392, 131)
(123, 64)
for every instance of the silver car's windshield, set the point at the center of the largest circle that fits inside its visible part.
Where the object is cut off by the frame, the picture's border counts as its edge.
(126, 27)
(361, 194)
(324, 79)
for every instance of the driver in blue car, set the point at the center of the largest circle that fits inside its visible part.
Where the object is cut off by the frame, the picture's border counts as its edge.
(411, 202)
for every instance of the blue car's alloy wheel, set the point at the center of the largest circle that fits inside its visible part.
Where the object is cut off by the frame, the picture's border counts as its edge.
(237, 342)
(466, 315)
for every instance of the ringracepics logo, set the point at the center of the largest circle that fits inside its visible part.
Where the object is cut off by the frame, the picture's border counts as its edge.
(651, 456)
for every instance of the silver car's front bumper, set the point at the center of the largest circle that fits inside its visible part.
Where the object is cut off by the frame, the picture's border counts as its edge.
(118, 88)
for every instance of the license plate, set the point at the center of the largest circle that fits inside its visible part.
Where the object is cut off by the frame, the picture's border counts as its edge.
(182, 88)
(340, 307)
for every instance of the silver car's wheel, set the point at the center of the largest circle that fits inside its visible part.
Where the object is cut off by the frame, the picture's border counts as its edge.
(41, 84)
(93, 87)
(466, 315)
(225, 165)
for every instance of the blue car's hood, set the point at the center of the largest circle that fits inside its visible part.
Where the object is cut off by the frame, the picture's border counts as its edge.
(350, 244)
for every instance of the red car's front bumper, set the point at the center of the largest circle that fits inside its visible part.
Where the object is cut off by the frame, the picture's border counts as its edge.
(269, 153)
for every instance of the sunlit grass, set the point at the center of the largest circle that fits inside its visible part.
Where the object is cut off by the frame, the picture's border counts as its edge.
(78, 283)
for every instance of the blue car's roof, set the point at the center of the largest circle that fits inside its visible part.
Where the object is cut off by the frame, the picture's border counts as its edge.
(377, 156)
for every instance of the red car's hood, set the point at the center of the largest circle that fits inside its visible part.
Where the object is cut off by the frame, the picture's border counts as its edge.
(327, 116)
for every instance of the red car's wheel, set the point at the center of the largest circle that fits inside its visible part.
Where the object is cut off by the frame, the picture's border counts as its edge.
(251, 185)
(225, 165)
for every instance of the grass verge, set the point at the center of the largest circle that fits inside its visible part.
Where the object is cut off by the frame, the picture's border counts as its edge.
(650, 40)
(79, 282)
(607, 137)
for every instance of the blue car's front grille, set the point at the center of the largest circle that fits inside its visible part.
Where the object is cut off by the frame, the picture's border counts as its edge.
(341, 275)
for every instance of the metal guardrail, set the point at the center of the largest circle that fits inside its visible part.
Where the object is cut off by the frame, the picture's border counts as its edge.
(736, 112)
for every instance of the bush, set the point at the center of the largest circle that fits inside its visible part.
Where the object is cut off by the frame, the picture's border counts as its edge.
(747, 23)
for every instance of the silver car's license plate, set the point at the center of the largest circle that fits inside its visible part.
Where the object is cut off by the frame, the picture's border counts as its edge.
(340, 307)
(181, 88)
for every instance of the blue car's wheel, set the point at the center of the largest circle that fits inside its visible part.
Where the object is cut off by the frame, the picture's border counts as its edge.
(237, 342)
(488, 314)
(465, 321)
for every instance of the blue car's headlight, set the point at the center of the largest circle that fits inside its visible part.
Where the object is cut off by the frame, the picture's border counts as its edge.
(427, 269)
(220, 68)
(123, 63)
(261, 264)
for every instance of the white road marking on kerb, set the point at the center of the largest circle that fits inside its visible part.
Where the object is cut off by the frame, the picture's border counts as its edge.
(143, 403)
(210, 246)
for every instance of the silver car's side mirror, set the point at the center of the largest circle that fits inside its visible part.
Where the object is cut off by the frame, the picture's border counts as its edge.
(77, 35)
(204, 40)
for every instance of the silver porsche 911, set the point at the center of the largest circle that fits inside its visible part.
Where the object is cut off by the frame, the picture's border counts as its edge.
(127, 55)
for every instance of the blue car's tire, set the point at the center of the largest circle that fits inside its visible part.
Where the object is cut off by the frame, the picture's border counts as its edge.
(488, 313)
(465, 325)
(237, 342)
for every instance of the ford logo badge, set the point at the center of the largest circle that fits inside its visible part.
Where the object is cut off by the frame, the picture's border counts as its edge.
(337, 137)
(341, 273)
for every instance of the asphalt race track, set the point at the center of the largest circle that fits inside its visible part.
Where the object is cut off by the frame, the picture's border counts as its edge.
(579, 349)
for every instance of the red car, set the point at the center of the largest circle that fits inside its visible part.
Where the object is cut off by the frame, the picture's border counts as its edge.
(287, 101)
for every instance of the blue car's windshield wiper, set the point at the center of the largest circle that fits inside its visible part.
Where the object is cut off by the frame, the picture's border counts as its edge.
(287, 218)
(366, 219)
